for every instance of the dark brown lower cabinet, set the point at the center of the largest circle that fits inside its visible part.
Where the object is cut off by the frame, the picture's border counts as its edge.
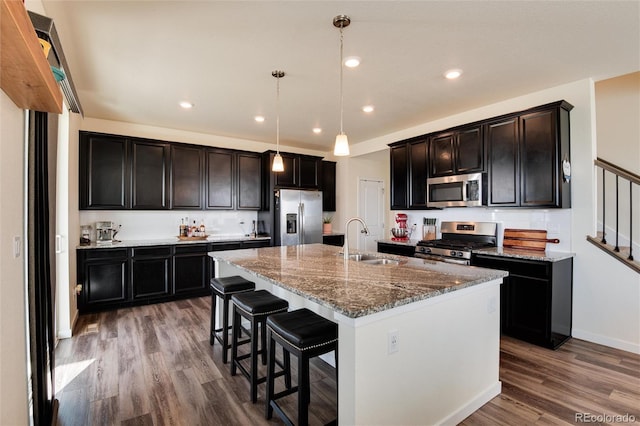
(103, 274)
(333, 240)
(535, 299)
(398, 249)
(116, 278)
(150, 272)
(191, 269)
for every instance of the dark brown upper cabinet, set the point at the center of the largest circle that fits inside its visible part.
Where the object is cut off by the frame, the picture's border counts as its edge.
(525, 156)
(234, 180)
(418, 161)
(309, 171)
(187, 165)
(249, 181)
(544, 144)
(409, 167)
(503, 165)
(399, 176)
(300, 171)
(328, 186)
(104, 171)
(149, 175)
(289, 178)
(221, 170)
(522, 154)
(457, 152)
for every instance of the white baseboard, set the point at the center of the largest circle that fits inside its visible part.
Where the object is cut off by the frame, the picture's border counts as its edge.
(473, 405)
(64, 334)
(606, 341)
(68, 333)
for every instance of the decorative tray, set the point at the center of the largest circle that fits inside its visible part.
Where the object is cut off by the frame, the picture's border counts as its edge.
(202, 238)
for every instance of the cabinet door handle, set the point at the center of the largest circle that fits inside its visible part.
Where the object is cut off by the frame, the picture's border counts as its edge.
(58, 246)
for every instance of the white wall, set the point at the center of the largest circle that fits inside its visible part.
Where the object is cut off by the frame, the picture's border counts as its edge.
(618, 134)
(13, 354)
(606, 296)
(349, 171)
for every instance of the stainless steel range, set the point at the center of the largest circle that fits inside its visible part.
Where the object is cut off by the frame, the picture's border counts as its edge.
(458, 240)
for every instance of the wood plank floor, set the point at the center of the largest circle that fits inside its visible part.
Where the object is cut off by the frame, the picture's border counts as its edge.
(153, 365)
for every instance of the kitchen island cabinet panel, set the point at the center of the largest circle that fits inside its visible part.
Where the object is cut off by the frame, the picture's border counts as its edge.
(187, 164)
(104, 171)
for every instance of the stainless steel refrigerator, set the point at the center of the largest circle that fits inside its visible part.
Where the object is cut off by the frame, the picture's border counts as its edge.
(298, 217)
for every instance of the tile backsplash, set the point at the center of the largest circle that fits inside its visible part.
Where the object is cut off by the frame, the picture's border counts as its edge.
(149, 225)
(557, 222)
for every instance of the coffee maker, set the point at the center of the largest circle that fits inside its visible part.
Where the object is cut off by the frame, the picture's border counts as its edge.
(105, 232)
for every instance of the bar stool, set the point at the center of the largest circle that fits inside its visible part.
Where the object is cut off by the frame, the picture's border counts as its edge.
(304, 334)
(224, 288)
(255, 307)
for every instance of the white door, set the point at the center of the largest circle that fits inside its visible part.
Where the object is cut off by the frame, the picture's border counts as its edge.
(371, 210)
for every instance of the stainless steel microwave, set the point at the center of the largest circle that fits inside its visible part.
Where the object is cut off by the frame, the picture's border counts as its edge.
(455, 191)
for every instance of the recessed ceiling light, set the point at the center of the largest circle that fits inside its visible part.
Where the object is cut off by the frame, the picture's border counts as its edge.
(368, 108)
(317, 130)
(453, 74)
(186, 105)
(259, 118)
(352, 62)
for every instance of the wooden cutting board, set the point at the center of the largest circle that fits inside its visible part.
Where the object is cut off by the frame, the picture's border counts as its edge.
(527, 239)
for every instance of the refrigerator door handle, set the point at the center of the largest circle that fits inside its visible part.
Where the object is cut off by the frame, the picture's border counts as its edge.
(301, 216)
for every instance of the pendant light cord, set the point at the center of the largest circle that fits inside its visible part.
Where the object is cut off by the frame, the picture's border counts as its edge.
(278, 115)
(341, 91)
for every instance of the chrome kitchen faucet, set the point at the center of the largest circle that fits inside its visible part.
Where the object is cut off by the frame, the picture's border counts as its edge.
(345, 248)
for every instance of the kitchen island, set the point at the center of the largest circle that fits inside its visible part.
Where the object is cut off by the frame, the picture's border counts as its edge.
(443, 318)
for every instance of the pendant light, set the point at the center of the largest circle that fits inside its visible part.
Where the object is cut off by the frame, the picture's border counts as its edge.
(278, 165)
(341, 147)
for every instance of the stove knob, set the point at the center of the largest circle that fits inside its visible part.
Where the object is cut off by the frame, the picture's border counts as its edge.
(452, 253)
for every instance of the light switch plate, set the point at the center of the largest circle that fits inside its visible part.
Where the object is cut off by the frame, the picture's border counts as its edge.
(17, 247)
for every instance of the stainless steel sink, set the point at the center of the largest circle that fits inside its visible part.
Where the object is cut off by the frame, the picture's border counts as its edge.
(371, 259)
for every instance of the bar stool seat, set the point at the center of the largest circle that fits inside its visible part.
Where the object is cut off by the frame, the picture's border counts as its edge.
(304, 334)
(224, 288)
(255, 306)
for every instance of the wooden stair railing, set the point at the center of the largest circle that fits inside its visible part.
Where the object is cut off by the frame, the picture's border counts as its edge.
(624, 254)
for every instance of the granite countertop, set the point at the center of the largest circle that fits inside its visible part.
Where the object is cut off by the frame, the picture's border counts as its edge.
(544, 256)
(171, 241)
(317, 272)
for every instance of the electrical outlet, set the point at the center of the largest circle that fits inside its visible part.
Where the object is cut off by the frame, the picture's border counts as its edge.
(393, 341)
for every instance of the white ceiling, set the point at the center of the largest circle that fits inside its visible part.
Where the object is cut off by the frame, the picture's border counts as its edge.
(133, 61)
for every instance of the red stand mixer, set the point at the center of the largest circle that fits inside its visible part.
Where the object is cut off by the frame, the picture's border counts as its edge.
(401, 233)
